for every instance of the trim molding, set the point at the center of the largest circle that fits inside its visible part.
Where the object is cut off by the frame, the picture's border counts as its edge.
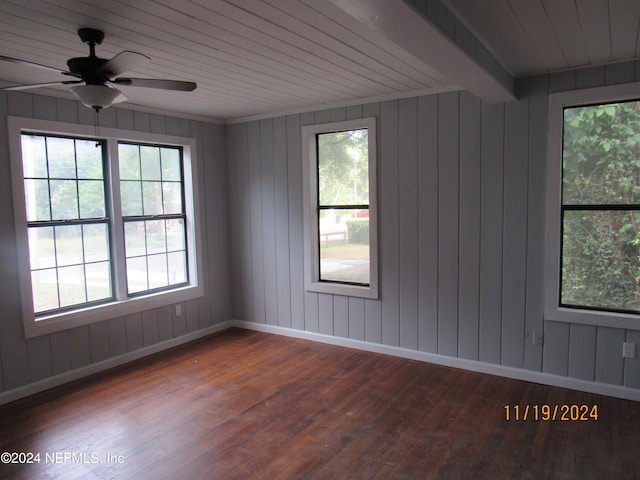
(471, 365)
(344, 103)
(78, 373)
(491, 369)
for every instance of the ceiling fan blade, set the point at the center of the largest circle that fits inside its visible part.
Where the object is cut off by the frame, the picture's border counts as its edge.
(37, 65)
(123, 62)
(38, 85)
(163, 84)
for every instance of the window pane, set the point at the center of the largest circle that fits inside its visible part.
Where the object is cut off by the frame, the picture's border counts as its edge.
(62, 157)
(172, 197)
(69, 245)
(129, 159)
(34, 156)
(150, 157)
(344, 246)
(156, 239)
(41, 248)
(343, 173)
(177, 263)
(600, 259)
(98, 281)
(137, 280)
(157, 271)
(131, 198)
(89, 156)
(91, 199)
(44, 284)
(36, 193)
(152, 198)
(64, 199)
(72, 285)
(96, 243)
(601, 148)
(135, 239)
(171, 164)
(175, 235)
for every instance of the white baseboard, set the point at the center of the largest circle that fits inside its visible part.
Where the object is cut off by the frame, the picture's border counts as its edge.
(490, 368)
(499, 370)
(66, 377)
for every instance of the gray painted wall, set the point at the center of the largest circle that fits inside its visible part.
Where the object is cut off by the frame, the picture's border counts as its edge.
(461, 240)
(27, 361)
(461, 198)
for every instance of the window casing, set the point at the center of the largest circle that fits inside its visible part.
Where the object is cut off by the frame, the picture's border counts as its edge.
(593, 194)
(340, 208)
(85, 253)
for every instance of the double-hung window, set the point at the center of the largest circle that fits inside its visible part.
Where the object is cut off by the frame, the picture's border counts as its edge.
(67, 221)
(153, 214)
(593, 216)
(104, 227)
(340, 208)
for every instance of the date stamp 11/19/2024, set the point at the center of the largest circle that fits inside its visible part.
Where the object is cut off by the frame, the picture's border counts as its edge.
(551, 413)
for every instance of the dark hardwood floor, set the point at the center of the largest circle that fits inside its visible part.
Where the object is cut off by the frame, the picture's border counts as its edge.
(243, 404)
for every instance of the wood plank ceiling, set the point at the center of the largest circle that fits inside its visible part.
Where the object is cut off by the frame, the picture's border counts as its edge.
(258, 57)
(540, 36)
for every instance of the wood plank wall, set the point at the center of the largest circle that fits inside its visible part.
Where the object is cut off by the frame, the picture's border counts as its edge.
(27, 361)
(461, 237)
(461, 201)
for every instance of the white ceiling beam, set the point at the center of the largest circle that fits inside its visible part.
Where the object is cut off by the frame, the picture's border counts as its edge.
(412, 31)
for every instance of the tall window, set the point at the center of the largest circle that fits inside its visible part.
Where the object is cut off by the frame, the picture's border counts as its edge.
(68, 224)
(340, 166)
(105, 228)
(154, 217)
(595, 160)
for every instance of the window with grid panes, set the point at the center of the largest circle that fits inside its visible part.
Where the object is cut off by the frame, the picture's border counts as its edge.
(153, 216)
(68, 222)
(104, 228)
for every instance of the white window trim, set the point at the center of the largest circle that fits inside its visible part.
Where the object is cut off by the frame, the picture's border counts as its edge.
(557, 102)
(310, 199)
(121, 305)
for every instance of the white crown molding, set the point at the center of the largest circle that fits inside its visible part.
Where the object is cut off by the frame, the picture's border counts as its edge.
(346, 103)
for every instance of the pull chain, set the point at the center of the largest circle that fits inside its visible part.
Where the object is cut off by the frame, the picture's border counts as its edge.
(97, 126)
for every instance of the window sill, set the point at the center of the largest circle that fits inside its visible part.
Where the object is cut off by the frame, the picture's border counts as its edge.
(358, 291)
(593, 317)
(76, 318)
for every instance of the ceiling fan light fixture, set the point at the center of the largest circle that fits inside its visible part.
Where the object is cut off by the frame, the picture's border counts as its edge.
(93, 75)
(97, 96)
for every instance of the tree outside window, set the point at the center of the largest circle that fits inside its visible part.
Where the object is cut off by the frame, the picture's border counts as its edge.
(601, 207)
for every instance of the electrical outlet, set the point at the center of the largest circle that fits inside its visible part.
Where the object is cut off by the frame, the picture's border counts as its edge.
(178, 309)
(629, 350)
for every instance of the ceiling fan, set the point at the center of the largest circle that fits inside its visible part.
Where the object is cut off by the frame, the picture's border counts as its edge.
(94, 79)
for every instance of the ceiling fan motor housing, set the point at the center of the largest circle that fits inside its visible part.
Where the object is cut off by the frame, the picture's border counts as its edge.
(88, 67)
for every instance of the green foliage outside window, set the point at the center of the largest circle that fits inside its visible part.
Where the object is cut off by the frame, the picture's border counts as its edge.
(343, 168)
(601, 207)
(358, 231)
